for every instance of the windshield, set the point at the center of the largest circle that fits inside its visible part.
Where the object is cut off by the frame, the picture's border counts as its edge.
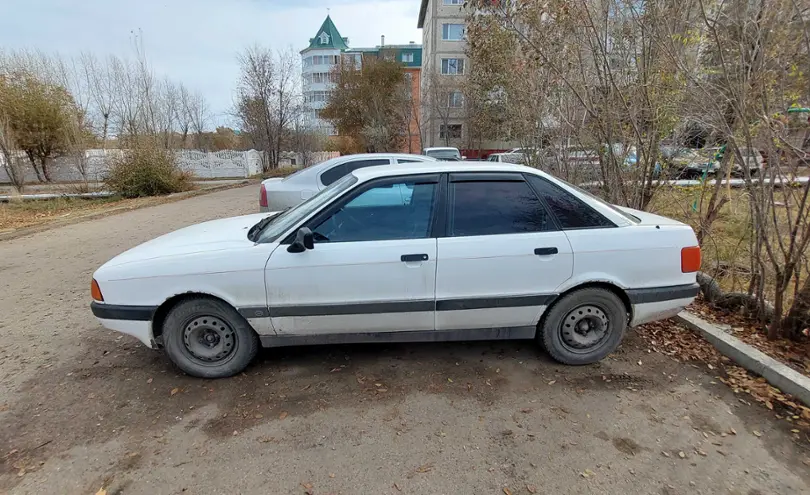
(283, 222)
(453, 154)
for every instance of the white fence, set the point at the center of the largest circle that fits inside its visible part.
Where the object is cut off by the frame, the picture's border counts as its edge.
(204, 165)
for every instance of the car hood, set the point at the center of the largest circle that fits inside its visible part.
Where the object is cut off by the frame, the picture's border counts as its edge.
(210, 236)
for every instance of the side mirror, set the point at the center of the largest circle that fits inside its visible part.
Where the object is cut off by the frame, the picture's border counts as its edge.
(303, 240)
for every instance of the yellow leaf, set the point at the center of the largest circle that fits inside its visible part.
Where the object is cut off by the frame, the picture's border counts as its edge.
(282, 415)
(175, 390)
(507, 491)
(101, 491)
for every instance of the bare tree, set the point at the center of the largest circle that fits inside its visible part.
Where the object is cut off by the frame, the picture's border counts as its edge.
(268, 95)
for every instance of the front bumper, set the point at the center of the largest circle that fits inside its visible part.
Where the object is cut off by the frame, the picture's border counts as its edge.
(131, 320)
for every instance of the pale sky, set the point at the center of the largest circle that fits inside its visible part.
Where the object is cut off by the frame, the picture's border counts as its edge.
(196, 41)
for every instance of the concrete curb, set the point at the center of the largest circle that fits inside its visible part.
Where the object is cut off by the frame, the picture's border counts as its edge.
(779, 375)
(160, 200)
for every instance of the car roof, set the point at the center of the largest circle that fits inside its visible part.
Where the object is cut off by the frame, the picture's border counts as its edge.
(441, 149)
(437, 167)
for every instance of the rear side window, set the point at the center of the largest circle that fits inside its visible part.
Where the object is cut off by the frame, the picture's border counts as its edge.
(494, 207)
(352, 166)
(333, 174)
(570, 211)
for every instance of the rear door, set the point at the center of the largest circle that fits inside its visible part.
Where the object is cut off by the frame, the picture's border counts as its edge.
(502, 256)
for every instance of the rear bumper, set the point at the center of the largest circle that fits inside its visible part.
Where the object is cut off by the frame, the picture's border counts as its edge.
(661, 302)
(131, 320)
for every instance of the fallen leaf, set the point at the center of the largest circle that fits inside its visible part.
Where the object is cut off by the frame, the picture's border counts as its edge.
(586, 474)
(282, 415)
(681, 455)
(101, 491)
(769, 405)
(666, 454)
(794, 431)
(335, 370)
(450, 380)
(307, 485)
(639, 362)
(331, 475)
(424, 468)
(552, 382)
(756, 433)
(732, 431)
(397, 487)
(258, 416)
(507, 491)
(149, 381)
(531, 488)
(382, 390)
(806, 462)
(174, 391)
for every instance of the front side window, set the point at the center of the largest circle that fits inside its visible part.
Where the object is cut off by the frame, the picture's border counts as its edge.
(452, 66)
(407, 57)
(496, 207)
(570, 211)
(402, 210)
(454, 2)
(452, 32)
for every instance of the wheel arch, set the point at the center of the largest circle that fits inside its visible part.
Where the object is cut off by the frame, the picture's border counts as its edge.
(159, 317)
(596, 284)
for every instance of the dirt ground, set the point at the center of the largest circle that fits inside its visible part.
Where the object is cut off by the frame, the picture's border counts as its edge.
(83, 408)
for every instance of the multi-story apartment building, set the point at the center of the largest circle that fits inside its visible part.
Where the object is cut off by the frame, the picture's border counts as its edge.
(328, 49)
(444, 69)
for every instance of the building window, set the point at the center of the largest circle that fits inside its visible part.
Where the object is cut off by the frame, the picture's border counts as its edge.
(452, 66)
(452, 32)
(455, 99)
(454, 2)
(324, 38)
(322, 78)
(407, 57)
(450, 131)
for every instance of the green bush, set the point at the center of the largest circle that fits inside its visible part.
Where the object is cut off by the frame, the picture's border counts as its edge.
(146, 172)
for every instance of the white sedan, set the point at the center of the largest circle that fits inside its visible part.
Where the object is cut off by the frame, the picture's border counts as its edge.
(277, 194)
(403, 253)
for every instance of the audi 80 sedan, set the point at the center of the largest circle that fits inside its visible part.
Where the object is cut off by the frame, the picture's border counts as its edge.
(404, 253)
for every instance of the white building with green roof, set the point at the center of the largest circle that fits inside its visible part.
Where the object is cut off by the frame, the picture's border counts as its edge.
(327, 49)
(317, 62)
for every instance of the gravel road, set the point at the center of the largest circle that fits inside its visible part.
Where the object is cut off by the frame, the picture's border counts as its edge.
(82, 407)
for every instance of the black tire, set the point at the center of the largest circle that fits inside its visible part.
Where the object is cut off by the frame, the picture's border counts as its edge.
(605, 316)
(207, 338)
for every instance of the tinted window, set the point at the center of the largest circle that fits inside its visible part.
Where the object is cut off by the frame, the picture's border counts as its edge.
(333, 174)
(489, 208)
(408, 160)
(570, 211)
(352, 166)
(336, 173)
(394, 211)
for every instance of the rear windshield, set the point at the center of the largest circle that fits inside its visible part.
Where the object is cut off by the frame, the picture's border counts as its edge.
(626, 215)
(443, 154)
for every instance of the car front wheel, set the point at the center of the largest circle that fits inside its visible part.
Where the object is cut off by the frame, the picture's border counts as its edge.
(584, 326)
(207, 338)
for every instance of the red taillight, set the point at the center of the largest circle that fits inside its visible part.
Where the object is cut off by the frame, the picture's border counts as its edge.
(95, 292)
(263, 197)
(690, 259)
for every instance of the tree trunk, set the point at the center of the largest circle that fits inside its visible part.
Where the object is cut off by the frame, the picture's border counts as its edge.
(34, 166)
(775, 328)
(798, 317)
(45, 171)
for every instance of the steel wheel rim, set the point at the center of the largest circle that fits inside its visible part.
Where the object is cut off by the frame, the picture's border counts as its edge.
(209, 340)
(584, 329)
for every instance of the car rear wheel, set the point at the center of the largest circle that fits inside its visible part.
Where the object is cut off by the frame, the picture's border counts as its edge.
(208, 339)
(584, 326)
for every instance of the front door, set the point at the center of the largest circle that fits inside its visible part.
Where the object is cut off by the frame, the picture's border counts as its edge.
(373, 267)
(503, 256)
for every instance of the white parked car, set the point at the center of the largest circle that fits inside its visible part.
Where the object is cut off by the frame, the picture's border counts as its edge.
(403, 253)
(278, 193)
(444, 154)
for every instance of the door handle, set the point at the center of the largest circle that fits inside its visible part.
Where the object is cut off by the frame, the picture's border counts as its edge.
(413, 257)
(545, 251)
